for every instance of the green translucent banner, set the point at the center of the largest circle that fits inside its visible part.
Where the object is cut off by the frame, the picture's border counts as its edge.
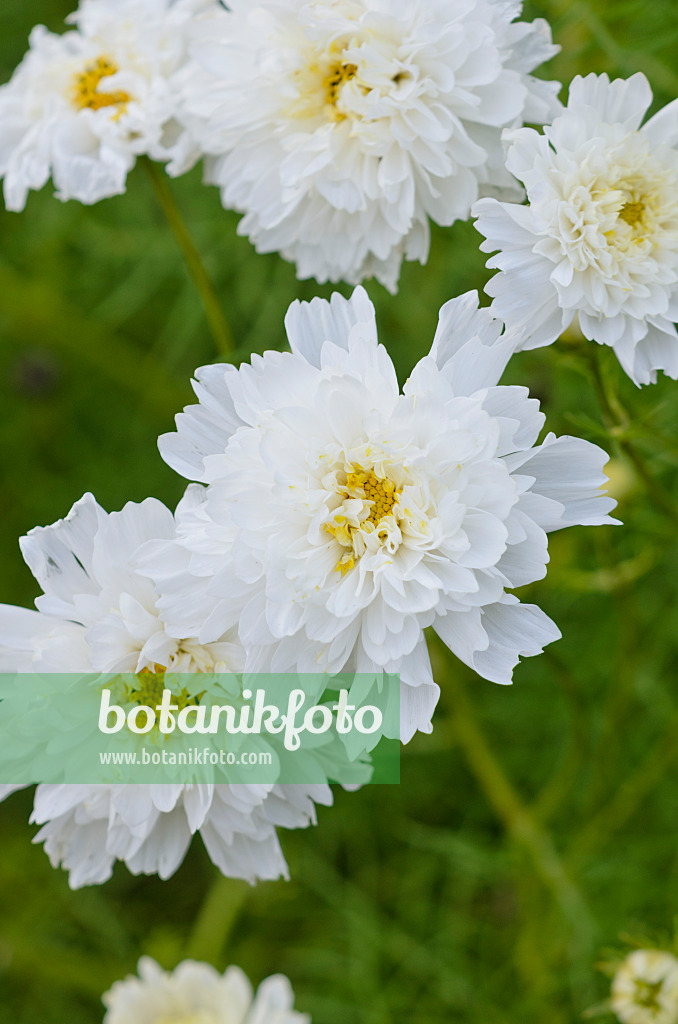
(186, 729)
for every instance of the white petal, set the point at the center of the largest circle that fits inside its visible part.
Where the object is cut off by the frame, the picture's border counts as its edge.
(568, 470)
(622, 100)
(514, 631)
(310, 324)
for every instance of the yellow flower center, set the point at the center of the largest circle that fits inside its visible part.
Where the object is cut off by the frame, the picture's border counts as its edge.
(150, 686)
(337, 75)
(380, 495)
(86, 87)
(381, 492)
(320, 82)
(632, 213)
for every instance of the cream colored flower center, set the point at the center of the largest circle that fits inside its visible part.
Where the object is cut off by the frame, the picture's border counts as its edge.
(86, 87)
(635, 212)
(647, 994)
(618, 212)
(638, 212)
(369, 507)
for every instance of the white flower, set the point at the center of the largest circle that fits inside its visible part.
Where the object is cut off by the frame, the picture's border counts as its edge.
(342, 518)
(338, 127)
(645, 988)
(82, 106)
(599, 240)
(85, 829)
(195, 993)
(98, 613)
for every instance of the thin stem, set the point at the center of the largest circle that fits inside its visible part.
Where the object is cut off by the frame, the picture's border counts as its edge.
(558, 788)
(617, 422)
(515, 816)
(630, 795)
(215, 315)
(216, 918)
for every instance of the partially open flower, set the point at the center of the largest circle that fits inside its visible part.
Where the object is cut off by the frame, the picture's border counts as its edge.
(196, 993)
(645, 988)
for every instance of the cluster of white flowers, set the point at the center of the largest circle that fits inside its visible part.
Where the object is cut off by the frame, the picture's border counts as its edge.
(195, 993)
(331, 518)
(334, 520)
(340, 128)
(364, 118)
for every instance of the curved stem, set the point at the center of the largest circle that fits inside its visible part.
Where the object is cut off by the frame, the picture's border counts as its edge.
(215, 315)
(516, 818)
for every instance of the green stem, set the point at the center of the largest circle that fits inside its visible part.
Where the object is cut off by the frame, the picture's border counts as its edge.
(555, 792)
(215, 315)
(630, 795)
(216, 918)
(515, 816)
(617, 422)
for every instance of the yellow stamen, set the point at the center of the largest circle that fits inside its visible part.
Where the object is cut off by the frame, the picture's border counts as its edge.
(86, 87)
(381, 492)
(382, 495)
(337, 76)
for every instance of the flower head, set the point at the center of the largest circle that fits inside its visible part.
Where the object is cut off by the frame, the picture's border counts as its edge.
(338, 127)
(196, 993)
(99, 613)
(645, 988)
(83, 105)
(342, 518)
(599, 240)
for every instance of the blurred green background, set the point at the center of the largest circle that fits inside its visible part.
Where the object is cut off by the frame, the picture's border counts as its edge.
(537, 823)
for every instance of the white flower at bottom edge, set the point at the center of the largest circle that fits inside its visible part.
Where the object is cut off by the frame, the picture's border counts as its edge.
(98, 613)
(83, 105)
(645, 988)
(342, 518)
(599, 239)
(196, 993)
(363, 119)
